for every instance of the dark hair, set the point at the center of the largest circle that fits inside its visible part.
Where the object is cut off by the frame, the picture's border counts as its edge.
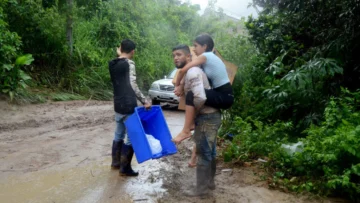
(205, 39)
(127, 46)
(183, 47)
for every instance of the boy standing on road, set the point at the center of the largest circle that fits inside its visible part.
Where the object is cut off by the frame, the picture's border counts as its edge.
(126, 93)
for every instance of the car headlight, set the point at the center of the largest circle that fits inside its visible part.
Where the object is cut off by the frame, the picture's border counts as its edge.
(155, 86)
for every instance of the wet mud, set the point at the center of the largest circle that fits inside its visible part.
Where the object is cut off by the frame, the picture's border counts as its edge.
(61, 152)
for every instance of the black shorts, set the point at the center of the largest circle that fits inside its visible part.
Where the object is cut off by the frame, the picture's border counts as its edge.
(221, 97)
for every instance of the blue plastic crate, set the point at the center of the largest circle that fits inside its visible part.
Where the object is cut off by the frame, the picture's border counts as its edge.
(151, 121)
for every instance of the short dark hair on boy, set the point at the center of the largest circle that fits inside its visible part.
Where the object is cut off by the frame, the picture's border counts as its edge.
(205, 39)
(183, 47)
(127, 46)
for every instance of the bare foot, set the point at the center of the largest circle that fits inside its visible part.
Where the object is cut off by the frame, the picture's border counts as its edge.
(192, 163)
(181, 136)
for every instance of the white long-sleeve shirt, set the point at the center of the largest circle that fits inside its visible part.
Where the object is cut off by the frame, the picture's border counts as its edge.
(133, 83)
(197, 81)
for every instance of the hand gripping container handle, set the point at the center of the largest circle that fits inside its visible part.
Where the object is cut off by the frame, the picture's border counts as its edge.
(149, 121)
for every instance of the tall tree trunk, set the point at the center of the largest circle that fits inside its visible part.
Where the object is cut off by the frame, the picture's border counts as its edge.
(69, 25)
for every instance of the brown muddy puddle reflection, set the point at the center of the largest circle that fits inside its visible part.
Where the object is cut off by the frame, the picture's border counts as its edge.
(91, 183)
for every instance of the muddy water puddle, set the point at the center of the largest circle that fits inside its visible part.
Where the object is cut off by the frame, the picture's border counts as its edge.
(32, 174)
(89, 183)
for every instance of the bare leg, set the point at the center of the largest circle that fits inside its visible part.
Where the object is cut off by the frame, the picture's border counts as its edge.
(192, 126)
(189, 122)
(192, 162)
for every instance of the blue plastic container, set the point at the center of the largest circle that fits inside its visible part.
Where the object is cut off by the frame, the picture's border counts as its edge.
(151, 121)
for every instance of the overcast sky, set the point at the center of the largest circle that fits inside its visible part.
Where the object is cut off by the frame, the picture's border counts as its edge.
(236, 8)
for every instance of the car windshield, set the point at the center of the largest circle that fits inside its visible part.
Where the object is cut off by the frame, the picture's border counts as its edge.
(172, 74)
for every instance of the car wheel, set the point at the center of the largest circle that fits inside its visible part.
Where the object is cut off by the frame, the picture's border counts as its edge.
(155, 102)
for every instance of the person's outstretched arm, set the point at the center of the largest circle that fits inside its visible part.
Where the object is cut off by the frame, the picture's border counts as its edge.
(195, 62)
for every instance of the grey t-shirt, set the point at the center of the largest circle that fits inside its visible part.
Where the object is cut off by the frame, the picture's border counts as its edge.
(215, 70)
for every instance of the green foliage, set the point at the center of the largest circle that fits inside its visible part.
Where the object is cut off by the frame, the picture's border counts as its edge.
(302, 60)
(253, 139)
(9, 41)
(66, 97)
(99, 26)
(12, 77)
(24, 96)
(328, 163)
(304, 55)
(41, 31)
(38, 27)
(331, 151)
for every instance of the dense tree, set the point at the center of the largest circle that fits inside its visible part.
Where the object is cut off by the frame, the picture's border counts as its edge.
(302, 86)
(89, 31)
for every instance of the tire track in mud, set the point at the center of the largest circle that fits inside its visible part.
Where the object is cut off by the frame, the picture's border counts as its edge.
(38, 122)
(39, 137)
(32, 123)
(78, 122)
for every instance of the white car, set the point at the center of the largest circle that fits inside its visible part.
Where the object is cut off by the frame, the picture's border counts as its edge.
(163, 90)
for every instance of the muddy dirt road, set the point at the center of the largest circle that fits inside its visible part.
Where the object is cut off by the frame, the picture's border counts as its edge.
(61, 152)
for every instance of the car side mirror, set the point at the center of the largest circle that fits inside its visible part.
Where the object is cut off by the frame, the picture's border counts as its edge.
(164, 76)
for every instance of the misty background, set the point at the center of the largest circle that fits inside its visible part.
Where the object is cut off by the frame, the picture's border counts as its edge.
(233, 8)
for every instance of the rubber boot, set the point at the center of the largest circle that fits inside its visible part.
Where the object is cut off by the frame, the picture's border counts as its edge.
(127, 153)
(212, 175)
(116, 154)
(202, 182)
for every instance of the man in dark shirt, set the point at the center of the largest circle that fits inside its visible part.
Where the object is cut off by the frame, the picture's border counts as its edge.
(126, 93)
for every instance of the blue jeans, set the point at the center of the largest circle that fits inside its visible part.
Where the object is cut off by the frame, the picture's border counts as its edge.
(120, 130)
(206, 129)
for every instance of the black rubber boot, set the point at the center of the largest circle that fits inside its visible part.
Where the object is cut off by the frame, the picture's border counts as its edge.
(212, 175)
(116, 154)
(127, 153)
(202, 182)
